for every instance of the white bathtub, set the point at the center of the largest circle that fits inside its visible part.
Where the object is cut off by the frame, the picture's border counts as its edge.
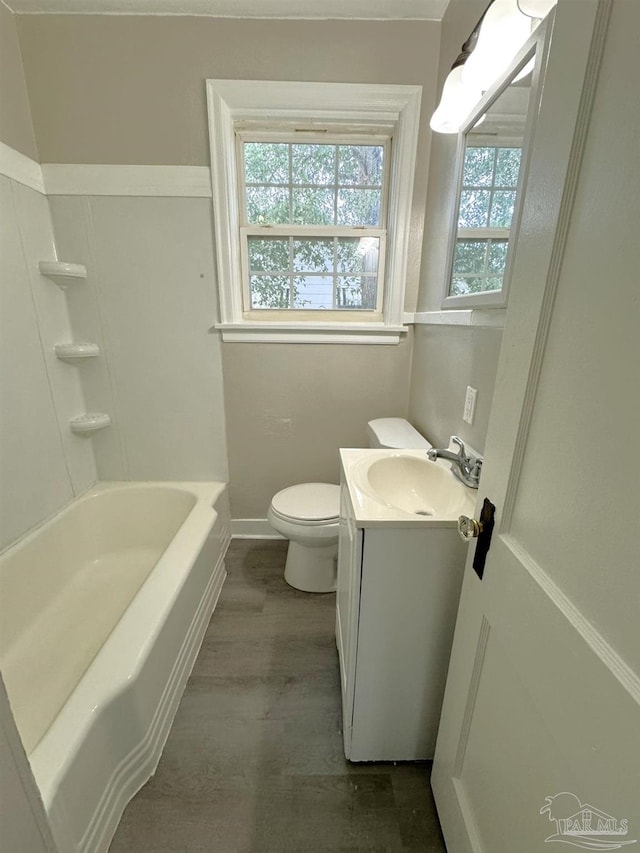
(102, 612)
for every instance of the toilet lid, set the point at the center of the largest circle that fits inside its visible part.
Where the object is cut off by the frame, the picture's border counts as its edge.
(309, 501)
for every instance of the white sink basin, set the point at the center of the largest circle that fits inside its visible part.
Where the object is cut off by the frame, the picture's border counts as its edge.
(402, 485)
(416, 485)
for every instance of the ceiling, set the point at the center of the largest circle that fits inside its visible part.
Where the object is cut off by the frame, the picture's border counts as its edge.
(420, 10)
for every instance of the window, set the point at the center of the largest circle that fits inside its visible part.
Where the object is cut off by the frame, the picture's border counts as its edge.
(312, 224)
(487, 202)
(312, 188)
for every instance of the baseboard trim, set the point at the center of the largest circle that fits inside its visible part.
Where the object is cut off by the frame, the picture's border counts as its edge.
(253, 528)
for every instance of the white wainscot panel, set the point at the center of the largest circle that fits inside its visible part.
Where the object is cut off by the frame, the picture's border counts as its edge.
(157, 296)
(35, 482)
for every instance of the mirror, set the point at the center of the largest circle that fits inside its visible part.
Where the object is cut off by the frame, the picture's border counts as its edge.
(490, 178)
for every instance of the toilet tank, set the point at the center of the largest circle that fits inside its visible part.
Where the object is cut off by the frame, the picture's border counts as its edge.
(395, 433)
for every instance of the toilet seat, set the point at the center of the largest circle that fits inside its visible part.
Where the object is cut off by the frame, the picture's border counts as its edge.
(308, 504)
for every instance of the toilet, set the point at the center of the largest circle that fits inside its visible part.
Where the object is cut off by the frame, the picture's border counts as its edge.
(308, 514)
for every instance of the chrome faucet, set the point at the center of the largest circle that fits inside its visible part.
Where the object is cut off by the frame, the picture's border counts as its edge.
(466, 468)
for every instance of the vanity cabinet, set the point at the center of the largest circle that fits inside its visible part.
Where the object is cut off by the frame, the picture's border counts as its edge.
(397, 598)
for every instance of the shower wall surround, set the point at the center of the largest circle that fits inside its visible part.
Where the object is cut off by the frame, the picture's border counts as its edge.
(42, 464)
(149, 302)
(150, 305)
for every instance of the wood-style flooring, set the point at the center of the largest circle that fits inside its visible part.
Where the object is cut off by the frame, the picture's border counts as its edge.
(254, 761)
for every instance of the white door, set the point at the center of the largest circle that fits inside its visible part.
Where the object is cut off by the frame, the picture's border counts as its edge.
(539, 740)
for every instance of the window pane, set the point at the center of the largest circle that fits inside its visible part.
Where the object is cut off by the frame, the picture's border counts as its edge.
(267, 205)
(268, 254)
(266, 162)
(357, 254)
(313, 164)
(502, 208)
(269, 291)
(478, 167)
(313, 292)
(313, 207)
(310, 255)
(508, 167)
(459, 286)
(360, 164)
(470, 256)
(356, 292)
(359, 207)
(462, 285)
(474, 208)
(315, 184)
(498, 255)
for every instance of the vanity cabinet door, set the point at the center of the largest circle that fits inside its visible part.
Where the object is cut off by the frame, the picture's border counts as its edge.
(347, 609)
(409, 591)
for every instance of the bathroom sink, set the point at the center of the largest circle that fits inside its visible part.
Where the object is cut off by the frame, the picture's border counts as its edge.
(403, 484)
(416, 485)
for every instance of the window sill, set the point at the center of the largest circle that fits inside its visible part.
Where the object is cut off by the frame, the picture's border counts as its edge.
(307, 333)
(489, 317)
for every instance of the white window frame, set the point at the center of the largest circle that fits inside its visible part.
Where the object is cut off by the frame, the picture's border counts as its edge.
(482, 141)
(235, 105)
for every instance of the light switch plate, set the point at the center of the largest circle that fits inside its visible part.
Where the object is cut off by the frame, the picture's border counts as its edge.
(469, 404)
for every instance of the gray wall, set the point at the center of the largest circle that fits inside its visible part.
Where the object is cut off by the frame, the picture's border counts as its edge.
(448, 358)
(290, 407)
(445, 360)
(122, 89)
(16, 127)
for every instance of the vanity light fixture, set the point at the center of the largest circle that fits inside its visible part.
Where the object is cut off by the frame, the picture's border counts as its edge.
(499, 34)
(503, 31)
(458, 97)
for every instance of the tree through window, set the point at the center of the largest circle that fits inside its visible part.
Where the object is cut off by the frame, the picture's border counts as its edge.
(312, 222)
(487, 202)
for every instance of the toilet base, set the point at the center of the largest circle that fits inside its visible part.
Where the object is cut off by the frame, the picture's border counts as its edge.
(311, 569)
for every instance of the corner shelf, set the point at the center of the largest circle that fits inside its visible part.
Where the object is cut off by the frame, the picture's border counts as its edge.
(76, 351)
(62, 273)
(89, 422)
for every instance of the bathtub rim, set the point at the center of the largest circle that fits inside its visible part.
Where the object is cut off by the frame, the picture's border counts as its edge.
(196, 487)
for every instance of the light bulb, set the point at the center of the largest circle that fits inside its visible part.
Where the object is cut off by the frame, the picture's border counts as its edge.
(536, 8)
(503, 31)
(457, 101)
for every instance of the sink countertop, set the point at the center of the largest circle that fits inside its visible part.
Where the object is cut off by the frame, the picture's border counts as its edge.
(372, 510)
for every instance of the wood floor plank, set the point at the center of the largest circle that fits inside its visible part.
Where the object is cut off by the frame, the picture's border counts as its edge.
(254, 761)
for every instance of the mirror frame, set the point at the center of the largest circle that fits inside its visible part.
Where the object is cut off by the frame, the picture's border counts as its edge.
(537, 45)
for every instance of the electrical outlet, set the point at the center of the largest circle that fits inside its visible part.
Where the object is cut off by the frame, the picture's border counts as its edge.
(469, 404)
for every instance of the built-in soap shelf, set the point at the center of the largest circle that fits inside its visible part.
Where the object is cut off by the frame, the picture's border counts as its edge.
(63, 273)
(89, 422)
(76, 351)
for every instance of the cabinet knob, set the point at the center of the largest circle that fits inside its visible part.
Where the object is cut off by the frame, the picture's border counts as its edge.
(469, 528)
